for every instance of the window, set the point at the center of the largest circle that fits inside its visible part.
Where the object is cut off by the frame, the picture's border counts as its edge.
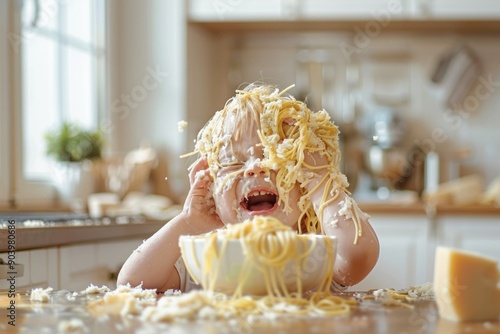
(58, 59)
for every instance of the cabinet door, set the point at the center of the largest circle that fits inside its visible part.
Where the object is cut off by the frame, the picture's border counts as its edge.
(44, 268)
(461, 9)
(40, 269)
(403, 252)
(354, 9)
(241, 10)
(78, 267)
(472, 233)
(19, 282)
(95, 263)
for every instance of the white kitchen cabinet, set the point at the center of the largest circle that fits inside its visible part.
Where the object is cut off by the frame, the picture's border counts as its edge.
(382, 11)
(472, 233)
(258, 10)
(386, 10)
(403, 252)
(355, 9)
(460, 9)
(241, 10)
(96, 263)
(40, 269)
(408, 245)
(72, 267)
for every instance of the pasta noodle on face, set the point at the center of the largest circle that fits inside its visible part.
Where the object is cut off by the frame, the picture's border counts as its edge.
(269, 246)
(287, 130)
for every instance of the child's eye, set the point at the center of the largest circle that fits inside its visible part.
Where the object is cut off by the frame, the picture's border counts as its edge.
(231, 164)
(226, 168)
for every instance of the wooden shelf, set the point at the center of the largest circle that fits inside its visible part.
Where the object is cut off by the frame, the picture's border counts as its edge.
(420, 208)
(408, 25)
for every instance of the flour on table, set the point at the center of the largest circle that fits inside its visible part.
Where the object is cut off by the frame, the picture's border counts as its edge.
(72, 326)
(41, 294)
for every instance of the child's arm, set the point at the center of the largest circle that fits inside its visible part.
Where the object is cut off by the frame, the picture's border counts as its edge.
(152, 264)
(356, 257)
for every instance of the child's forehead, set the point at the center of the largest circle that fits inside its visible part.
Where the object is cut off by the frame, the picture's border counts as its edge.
(241, 148)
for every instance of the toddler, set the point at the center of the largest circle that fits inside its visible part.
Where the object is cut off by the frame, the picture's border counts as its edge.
(269, 155)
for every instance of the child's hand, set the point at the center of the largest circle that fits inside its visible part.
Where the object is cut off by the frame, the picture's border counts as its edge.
(315, 159)
(317, 164)
(199, 207)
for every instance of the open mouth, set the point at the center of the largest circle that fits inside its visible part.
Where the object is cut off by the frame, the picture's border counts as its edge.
(259, 201)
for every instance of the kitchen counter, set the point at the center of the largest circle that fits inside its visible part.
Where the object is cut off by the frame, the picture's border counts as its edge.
(371, 316)
(41, 235)
(32, 236)
(422, 208)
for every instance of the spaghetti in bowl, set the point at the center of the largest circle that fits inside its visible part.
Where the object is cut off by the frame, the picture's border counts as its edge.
(260, 257)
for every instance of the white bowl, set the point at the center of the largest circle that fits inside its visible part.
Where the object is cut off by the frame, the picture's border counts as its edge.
(313, 270)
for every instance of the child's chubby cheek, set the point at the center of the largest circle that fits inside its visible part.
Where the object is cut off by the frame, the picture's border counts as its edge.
(290, 216)
(226, 202)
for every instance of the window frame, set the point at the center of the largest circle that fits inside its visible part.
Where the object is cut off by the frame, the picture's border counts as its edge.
(5, 137)
(19, 191)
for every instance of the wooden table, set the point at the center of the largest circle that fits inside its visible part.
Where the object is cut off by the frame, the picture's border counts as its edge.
(371, 316)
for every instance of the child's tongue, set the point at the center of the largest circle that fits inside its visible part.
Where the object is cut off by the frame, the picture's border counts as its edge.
(262, 206)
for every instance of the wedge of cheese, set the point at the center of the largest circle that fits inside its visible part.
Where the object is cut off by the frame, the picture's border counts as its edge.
(466, 285)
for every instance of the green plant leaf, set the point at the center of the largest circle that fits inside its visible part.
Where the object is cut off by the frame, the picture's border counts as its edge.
(72, 143)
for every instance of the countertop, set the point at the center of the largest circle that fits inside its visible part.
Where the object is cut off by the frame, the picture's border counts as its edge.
(32, 236)
(422, 208)
(43, 235)
(370, 316)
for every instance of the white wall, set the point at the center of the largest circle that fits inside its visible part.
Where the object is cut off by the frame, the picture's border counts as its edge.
(272, 57)
(144, 37)
(203, 71)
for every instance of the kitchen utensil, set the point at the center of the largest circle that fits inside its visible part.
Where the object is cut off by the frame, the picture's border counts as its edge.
(464, 84)
(122, 175)
(386, 165)
(455, 74)
(386, 158)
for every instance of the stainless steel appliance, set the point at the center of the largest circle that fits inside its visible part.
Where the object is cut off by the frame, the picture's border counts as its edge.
(385, 157)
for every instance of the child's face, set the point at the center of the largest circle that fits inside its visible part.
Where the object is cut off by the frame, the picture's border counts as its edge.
(250, 190)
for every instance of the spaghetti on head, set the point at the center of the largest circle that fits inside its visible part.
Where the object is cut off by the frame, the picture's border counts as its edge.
(287, 129)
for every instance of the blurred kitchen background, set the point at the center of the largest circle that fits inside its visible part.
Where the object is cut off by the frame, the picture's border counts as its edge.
(401, 79)
(414, 86)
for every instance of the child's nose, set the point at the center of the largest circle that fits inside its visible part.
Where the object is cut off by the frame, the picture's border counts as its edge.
(254, 170)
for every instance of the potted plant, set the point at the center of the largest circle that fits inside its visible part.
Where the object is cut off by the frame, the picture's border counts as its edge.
(74, 152)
